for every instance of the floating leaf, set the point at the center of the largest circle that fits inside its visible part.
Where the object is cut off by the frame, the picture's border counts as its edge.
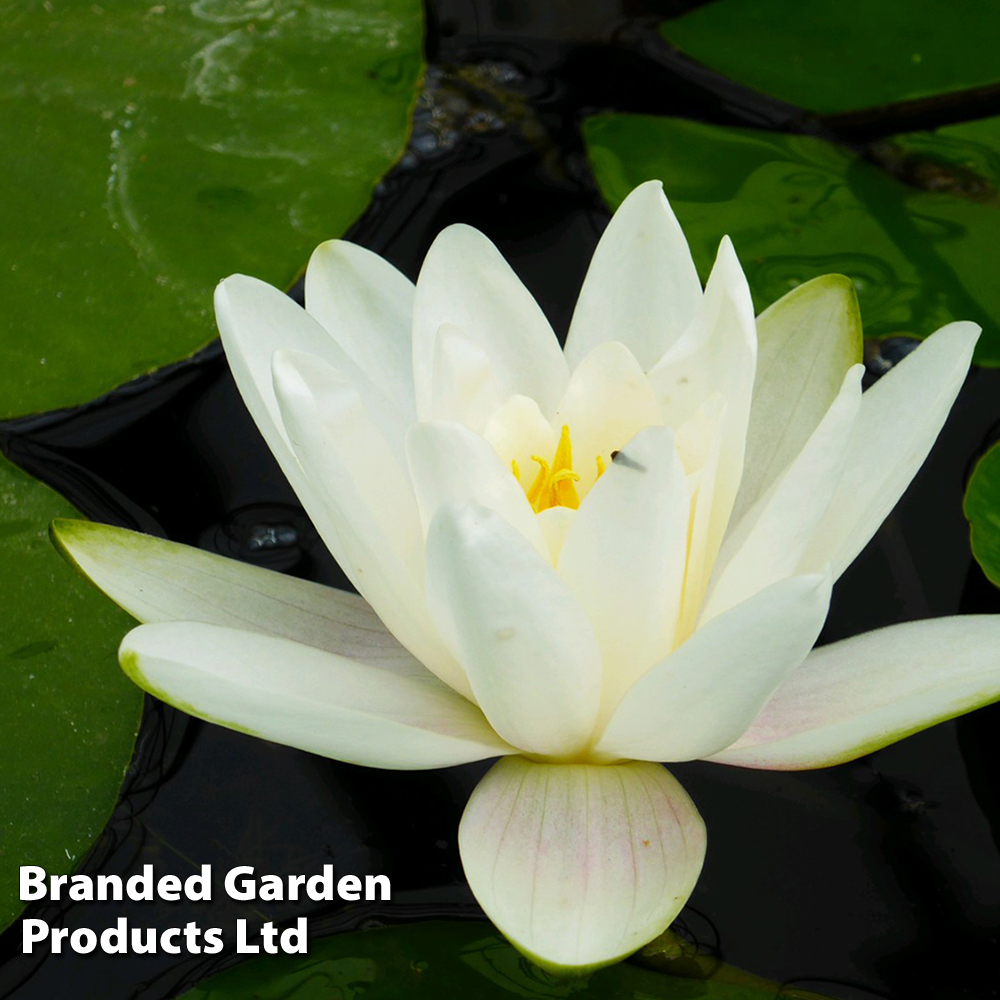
(798, 207)
(982, 508)
(152, 149)
(839, 55)
(453, 961)
(69, 715)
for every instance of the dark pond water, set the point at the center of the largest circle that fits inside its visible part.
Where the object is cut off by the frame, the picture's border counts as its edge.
(879, 878)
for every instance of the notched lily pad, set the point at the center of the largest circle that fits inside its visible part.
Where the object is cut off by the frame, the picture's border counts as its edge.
(798, 207)
(155, 148)
(440, 960)
(839, 55)
(69, 716)
(982, 509)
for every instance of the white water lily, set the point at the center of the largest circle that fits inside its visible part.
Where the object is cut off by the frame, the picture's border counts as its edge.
(582, 562)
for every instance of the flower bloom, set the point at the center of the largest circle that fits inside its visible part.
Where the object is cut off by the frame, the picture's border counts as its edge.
(583, 562)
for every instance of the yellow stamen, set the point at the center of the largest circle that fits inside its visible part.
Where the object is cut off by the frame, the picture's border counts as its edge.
(515, 468)
(537, 489)
(555, 485)
(600, 466)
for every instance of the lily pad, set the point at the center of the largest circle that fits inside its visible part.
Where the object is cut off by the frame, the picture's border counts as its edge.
(839, 55)
(442, 960)
(798, 207)
(69, 716)
(153, 149)
(982, 508)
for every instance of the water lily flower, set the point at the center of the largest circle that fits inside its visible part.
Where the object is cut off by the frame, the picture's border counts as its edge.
(583, 562)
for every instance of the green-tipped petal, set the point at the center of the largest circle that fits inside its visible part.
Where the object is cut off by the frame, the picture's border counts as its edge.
(400, 717)
(580, 865)
(856, 696)
(769, 541)
(159, 581)
(907, 406)
(807, 342)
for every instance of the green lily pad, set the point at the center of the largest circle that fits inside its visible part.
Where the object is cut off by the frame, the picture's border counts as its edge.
(839, 55)
(69, 716)
(152, 149)
(798, 207)
(982, 509)
(442, 960)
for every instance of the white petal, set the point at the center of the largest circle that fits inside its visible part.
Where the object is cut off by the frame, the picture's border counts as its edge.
(624, 557)
(642, 287)
(555, 524)
(580, 865)
(856, 696)
(256, 320)
(451, 464)
(699, 443)
(308, 698)
(901, 417)
(159, 581)
(465, 389)
(369, 516)
(715, 357)
(466, 283)
(807, 340)
(366, 305)
(526, 645)
(608, 401)
(706, 693)
(517, 431)
(346, 456)
(767, 545)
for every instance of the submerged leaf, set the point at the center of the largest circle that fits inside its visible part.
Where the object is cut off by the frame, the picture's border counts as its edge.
(798, 207)
(453, 960)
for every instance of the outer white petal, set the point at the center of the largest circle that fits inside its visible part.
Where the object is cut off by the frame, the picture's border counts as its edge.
(624, 557)
(308, 698)
(856, 696)
(706, 693)
(465, 388)
(347, 458)
(908, 406)
(369, 516)
(159, 581)
(451, 464)
(581, 865)
(526, 645)
(366, 305)
(608, 401)
(768, 543)
(642, 287)
(716, 357)
(807, 340)
(466, 283)
(255, 320)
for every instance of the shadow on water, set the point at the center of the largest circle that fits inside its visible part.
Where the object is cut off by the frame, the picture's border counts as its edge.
(877, 878)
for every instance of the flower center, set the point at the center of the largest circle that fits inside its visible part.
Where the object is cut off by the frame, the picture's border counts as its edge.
(555, 484)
